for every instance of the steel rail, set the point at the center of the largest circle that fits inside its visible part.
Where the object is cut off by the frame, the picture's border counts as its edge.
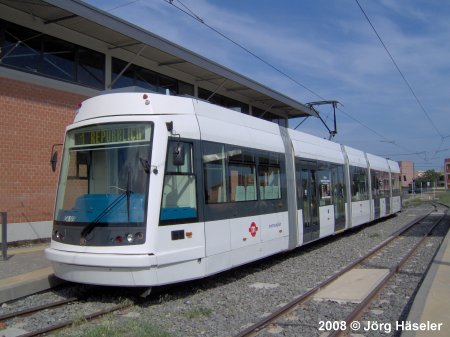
(37, 308)
(64, 324)
(60, 325)
(362, 306)
(255, 328)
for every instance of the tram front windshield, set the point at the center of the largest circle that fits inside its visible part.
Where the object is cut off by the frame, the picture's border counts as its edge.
(104, 177)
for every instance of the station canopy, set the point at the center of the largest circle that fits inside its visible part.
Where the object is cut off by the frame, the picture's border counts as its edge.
(117, 33)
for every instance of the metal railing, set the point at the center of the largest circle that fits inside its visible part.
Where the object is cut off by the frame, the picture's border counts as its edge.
(4, 237)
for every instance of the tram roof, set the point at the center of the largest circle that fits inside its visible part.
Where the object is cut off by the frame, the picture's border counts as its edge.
(117, 33)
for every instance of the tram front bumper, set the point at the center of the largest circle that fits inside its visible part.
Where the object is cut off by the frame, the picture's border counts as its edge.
(104, 269)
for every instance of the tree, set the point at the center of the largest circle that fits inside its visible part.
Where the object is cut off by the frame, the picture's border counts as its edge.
(429, 176)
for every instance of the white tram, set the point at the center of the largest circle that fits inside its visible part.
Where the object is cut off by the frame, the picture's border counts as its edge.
(158, 189)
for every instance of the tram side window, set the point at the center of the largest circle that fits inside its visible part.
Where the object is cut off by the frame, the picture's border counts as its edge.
(214, 168)
(324, 178)
(377, 183)
(242, 174)
(338, 193)
(358, 176)
(269, 178)
(238, 174)
(395, 184)
(179, 200)
(338, 183)
(386, 186)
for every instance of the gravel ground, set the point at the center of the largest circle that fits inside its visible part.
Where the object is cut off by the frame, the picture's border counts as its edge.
(93, 299)
(227, 303)
(393, 303)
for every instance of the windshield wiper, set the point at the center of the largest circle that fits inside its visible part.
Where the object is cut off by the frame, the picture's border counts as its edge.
(126, 194)
(145, 165)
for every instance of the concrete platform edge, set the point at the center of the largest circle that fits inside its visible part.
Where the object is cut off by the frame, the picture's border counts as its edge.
(417, 309)
(28, 288)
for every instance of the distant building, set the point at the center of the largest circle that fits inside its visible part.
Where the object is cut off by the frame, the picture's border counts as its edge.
(447, 173)
(406, 172)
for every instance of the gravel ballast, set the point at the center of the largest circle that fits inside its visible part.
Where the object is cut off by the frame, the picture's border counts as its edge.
(229, 302)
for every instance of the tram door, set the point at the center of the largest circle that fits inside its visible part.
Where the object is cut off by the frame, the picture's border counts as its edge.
(311, 227)
(376, 191)
(338, 183)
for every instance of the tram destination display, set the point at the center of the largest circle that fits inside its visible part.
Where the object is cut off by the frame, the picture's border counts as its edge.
(123, 134)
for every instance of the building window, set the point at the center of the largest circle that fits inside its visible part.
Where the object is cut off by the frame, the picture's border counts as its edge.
(58, 59)
(30, 51)
(268, 116)
(185, 89)
(91, 68)
(167, 84)
(138, 76)
(223, 101)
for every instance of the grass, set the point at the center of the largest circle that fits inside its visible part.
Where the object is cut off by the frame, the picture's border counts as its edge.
(113, 327)
(109, 328)
(412, 202)
(445, 198)
(441, 196)
(197, 312)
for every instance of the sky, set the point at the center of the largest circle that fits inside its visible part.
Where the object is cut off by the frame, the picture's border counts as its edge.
(329, 51)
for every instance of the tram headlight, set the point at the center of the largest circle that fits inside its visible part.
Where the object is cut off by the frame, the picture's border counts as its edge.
(130, 238)
(59, 235)
(139, 236)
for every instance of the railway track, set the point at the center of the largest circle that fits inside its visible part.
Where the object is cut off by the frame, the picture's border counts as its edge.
(342, 325)
(65, 323)
(85, 299)
(37, 308)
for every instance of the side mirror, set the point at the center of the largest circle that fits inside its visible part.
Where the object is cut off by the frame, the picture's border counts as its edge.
(178, 154)
(54, 157)
(54, 160)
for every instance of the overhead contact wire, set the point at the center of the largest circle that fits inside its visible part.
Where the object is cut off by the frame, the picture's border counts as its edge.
(400, 72)
(186, 10)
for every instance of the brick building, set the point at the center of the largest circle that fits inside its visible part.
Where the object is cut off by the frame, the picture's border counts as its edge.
(407, 172)
(53, 55)
(32, 119)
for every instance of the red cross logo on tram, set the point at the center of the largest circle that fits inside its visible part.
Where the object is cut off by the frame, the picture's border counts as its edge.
(253, 229)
